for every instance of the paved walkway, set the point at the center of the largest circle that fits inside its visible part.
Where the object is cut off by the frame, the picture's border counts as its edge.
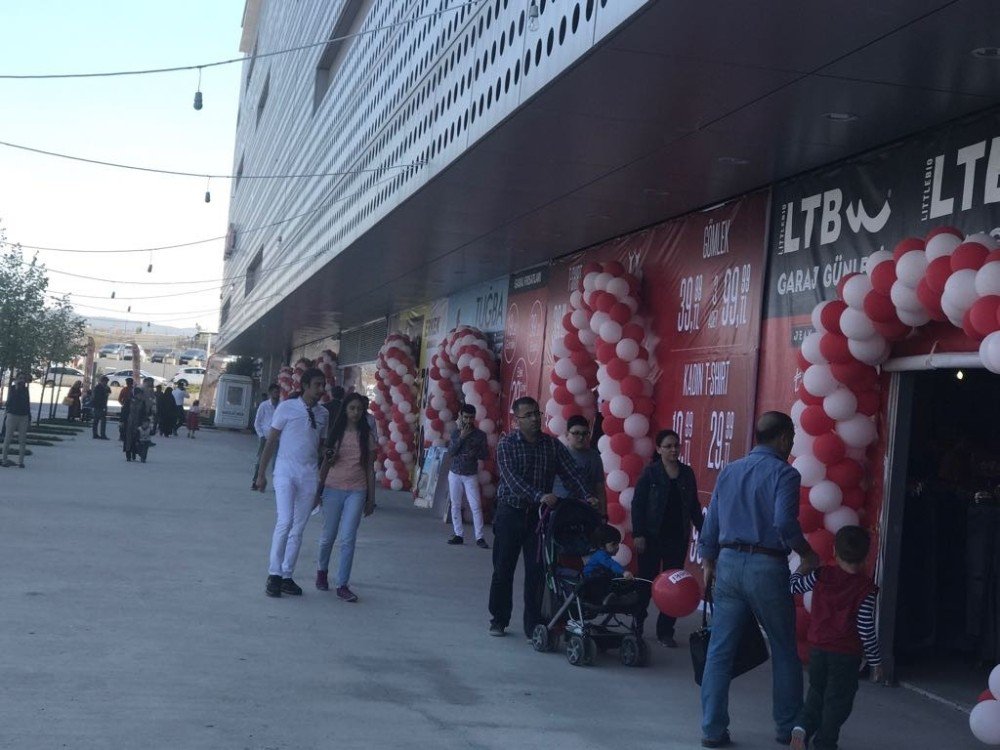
(132, 615)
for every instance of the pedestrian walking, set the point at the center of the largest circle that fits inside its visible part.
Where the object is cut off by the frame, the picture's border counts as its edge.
(664, 508)
(74, 401)
(166, 410)
(301, 427)
(124, 398)
(466, 449)
(528, 461)
(140, 425)
(262, 424)
(841, 629)
(346, 490)
(17, 419)
(99, 403)
(180, 394)
(194, 418)
(751, 526)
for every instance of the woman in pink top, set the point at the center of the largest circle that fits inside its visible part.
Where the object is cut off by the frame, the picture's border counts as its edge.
(346, 490)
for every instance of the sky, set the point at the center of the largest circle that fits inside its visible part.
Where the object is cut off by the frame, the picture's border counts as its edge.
(143, 120)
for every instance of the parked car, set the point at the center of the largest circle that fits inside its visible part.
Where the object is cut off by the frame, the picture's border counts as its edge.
(161, 354)
(192, 355)
(111, 351)
(189, 376)
(117, 378)
(127, 353)
(62, 376)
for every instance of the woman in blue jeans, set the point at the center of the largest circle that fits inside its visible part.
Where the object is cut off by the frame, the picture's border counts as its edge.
(346, 490)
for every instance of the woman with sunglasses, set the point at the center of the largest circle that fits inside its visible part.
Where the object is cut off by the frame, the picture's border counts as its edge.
(346, 490)
(664, 507)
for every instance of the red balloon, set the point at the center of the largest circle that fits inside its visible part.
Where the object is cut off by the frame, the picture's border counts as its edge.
(621, 444)
(845, 473)
(618, 369)
(984, 315)
(612, 496)
(612, 425)
(833, 346)
(620, 313)
(431, 413)
(616, 513)
(643, 405)
(892, 330)
(986, 695)
(938, 271)
(943, 230)
(967, 325)
(883, 276)
(931, 300)
(815, 421)
(633, 465)
(556, 379)
(570, 410)
(606, 410)
(592, 267)
(573, 343)
(840, 284)
(631, 386)
(810, 519)
(466, 374)
(968, 255)
(562, 395)
(801, 361)
(829, 316)
(567, 322)
(605, 352)
(854, 498)
(633, 331)
(829, 448)
(822, 543)
(879, 307)
(603, 301)
(614, 268)
(634, 285)
(868, 402)
(481, 386)
(580, 359)
(905, 245)
(855, 375)
(437, 424)
(676, 593)
(447, 385)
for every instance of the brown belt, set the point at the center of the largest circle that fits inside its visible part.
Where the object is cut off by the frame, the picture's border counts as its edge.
(755, 549)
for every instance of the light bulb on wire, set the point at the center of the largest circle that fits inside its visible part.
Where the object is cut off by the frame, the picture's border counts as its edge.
(208, 191)
(533, 14)
(960, 375)
(197, 94)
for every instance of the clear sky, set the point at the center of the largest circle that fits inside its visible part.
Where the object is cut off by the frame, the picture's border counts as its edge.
(142, 120)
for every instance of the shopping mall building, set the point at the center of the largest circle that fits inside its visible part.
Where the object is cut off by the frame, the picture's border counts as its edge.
(442, 163)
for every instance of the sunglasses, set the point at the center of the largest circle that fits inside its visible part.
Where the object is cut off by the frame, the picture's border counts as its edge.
(312, 417)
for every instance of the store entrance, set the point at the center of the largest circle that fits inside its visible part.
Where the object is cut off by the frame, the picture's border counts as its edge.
(947, 623)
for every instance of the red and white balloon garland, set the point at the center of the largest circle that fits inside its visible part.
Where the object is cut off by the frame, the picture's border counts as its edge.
(396, 412)
(984, 721)
(286, 384)
(464, 363)
(604, 320)
(327, 362)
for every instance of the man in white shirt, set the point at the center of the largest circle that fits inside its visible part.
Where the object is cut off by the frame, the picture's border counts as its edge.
(301, 425)
(179, 394)
(262, 425)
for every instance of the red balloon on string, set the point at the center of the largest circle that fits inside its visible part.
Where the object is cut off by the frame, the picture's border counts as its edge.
(986, 695)
(810, 519)
(822, 543)
(984, 316)
(621, 444)
(868, 402)
(829, 316)
(854, 497)
(833, 347)
(620, 313)
(905, 245)
(855, 375)
(879, 307)
(643, 405)
(938, 271)
(846, 473)
(631, 386)
(605, 352)
(592, 267)
(892, 330)
(614, 267)
(616, 513)
(618, 369)
(829, 448)
(562, 395)
(806, 397)
(612, 425)
(815, 421)
(573, 343)
(883, 276)
(633, 465)
(968, 255)
(633, 331)
(676, 593)
(931, 300)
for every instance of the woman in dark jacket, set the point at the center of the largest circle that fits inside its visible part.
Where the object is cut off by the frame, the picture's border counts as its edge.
(664, 508)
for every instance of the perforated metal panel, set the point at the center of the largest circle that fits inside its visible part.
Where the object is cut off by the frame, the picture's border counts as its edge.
(362, 344)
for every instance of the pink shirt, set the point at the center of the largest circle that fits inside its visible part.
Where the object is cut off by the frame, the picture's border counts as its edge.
(347, 473)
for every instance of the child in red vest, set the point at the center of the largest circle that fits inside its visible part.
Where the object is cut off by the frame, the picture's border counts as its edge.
(841, 629)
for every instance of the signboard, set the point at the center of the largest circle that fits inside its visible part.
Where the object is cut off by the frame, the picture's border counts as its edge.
(430, 474)
(524, 338)
(483, 306)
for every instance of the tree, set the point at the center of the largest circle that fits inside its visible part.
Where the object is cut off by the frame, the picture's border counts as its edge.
(242, 366)
(22, 309)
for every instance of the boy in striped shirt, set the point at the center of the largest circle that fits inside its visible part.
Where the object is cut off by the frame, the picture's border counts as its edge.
(841, 629)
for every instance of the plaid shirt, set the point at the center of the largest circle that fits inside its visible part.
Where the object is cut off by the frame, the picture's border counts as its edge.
(528, 470)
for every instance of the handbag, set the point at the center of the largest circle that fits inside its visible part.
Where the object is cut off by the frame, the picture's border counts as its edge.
(751, 651)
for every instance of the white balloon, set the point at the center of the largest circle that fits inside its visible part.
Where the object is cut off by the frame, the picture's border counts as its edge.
(837, 519)
(841, 404)
(577, 385)
(625, 498)
(396, 484)
(580, 319)
(910, 267)
(856, 325)
(588, 338)
(803, 443)
(858, 432)
(988, 279)
(584, 399)
(627, 349)
(611, 332)
(912, 318)
(810, 349)
(590, 281)
(796, 414)
(481, 373)
(464, 360)
(819, 380)
(960, 289)
(873, 351)
(481, 412)
(400, 447)
(640, 368)
(984, 722)
(812, 470)
(446, 415)
(984, 239)
(617, 480)
(609, 389)
(876, 259)
(989, 352)
(644, 447)
(825, 496)
(564, 368)
(604, 444)
(994, 681)
(602, 280)
(597, 320)
(406, 407)
(557, 425)
(624, 555)
(618, 287)
(610, 461)
(438, 403)
(621, 406)
(636, 425)
(904, 297)
(940, 245)
(856, 289)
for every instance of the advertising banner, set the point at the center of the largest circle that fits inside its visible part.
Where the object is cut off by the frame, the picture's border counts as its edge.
(702, 279)
(524, 336)
(483, 306)
(435, 328)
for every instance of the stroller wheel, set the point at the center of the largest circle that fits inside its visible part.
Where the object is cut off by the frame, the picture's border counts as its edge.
(542, 639)
(633, 651)
(580, 651)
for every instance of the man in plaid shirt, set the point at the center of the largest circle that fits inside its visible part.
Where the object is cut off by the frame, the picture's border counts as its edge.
(529, 462)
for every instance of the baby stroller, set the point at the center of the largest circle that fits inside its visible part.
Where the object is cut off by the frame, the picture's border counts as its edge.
(593, 614)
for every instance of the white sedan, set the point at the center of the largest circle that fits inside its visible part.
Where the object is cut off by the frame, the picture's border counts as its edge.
(189, 376)
(117, 378)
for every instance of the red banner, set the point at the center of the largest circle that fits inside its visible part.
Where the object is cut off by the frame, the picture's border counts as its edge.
(524, 338)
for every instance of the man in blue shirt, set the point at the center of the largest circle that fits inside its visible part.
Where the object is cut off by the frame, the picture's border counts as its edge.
(751, 526)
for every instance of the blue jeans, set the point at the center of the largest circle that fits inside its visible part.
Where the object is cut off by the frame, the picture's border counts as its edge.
(751, 583)
(341, 517)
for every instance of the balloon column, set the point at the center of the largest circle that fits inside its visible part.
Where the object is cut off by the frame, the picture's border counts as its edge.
(301, 366)
(396, 412)
(327, 362)
(604, 323)
(463, 363)
(286, 382)
(984, 721)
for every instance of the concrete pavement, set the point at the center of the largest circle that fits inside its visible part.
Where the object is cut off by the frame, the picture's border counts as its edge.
(133, 616)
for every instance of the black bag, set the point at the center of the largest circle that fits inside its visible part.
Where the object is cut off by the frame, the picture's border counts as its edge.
(751, 652)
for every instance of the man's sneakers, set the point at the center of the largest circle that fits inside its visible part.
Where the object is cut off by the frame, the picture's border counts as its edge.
(798, 739)
(456, 539)
(481, 543)
(346, 595)
(273, 587)
(290, 587)
(497, 630)
(723, 741)
(321, 581)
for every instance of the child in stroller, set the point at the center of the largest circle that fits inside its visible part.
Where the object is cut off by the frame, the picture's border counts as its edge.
(590, 612)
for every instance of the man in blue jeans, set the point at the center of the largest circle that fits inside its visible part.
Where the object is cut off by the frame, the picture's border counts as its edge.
(751, 526)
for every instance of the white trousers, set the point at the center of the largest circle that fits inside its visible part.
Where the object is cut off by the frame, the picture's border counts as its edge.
(294, 494)
(457, 483)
